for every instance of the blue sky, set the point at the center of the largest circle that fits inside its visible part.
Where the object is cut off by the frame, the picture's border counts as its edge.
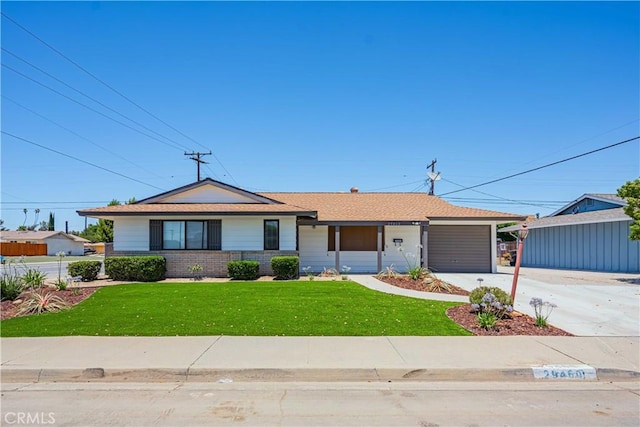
(317, 96)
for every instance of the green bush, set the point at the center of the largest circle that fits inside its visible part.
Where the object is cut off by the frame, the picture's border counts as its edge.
(476, 295)
(285, 267)
(490, 300)
(243, 270)
(11, 286)
(88, 270)
(136, 268)
(33, 277)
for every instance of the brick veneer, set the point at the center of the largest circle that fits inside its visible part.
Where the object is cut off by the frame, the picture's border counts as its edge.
(214, 263)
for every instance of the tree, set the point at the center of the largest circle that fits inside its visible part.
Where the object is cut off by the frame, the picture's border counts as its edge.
(52, 222)
(2, 227)
(104, 230)
(44, 226)
(506, 236)
(630, 191)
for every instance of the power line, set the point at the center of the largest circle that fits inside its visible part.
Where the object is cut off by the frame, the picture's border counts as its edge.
(542, 167)
(79, 160)
(80, 136)
(90, 97)
(498, 197)
(87, 106)
(113, 89)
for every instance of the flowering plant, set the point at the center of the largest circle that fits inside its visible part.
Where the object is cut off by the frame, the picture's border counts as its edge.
(543, 309)
(490, 304)
(414, 269)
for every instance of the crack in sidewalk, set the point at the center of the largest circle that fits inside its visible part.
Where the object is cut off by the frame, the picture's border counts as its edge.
(200, 356)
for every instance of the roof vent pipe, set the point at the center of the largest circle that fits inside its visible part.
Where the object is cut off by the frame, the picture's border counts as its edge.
(354, 189)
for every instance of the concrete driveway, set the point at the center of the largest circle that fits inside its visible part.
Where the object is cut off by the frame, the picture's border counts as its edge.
(589, 303)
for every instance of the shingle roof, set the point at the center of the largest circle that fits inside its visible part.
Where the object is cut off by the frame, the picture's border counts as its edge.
(37, 235)
(606, 215)
(195, 209)
(612, 197)
(325, 207)
(384, 207)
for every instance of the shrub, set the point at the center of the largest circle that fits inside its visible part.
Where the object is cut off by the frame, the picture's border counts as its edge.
(285, 267)
(11, 285)
(40, 302)
(476, 295)
(33, 277)
(195, 270)
(136, 268)
(243, 270)
(491, 304)
(88, 270)
(487, 320)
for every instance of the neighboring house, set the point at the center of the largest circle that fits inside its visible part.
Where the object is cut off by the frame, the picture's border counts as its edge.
(590, 233)
(210, 223)
(56, 241)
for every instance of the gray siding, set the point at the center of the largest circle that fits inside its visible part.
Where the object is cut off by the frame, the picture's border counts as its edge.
(599, 247)
(588, 205)
(460, 248)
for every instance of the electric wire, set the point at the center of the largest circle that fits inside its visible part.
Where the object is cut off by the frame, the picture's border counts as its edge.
(80, 160)
(23, 28)
(543, 166)
(92, 98)
(87, 106)
(498, 197)
(81, 137)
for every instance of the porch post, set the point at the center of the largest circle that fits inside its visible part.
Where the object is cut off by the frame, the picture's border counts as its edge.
(337, 248)
(424, 241)
(380, 243)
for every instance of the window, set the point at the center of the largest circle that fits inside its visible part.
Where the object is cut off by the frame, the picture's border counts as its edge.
(184, 235)
(355, 238)
(271, 235)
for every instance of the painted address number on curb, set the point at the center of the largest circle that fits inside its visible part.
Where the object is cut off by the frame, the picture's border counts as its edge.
(564, 372)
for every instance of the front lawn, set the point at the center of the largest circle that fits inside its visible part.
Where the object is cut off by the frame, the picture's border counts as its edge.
(241, 308)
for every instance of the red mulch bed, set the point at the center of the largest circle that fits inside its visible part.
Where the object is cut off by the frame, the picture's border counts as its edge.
(9, 309)
(421, 285)
(515, 324)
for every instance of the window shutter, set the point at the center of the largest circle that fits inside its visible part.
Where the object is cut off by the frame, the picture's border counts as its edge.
(155, 235)
(215, 235)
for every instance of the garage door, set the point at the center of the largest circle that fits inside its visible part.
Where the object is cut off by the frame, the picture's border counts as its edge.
(460, 248)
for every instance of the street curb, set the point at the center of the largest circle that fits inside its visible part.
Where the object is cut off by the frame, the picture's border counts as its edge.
(293, 375)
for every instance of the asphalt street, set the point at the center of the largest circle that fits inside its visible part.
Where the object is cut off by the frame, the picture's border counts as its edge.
(421, 404)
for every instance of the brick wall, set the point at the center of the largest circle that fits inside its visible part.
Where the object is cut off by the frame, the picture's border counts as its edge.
(214, 263)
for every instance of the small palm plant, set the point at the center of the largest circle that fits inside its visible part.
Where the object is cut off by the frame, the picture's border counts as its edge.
(38, 302)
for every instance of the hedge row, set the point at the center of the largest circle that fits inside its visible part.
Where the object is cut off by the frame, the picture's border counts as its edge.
(136, 268)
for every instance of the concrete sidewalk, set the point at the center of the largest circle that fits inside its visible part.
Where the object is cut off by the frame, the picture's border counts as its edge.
(228, 358)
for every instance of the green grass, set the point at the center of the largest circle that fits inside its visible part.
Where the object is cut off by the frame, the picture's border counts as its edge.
(298, 308)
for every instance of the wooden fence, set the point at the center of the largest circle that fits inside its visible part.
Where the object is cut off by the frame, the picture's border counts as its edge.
(26, 249)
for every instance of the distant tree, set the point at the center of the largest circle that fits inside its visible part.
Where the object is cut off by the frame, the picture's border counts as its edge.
(90, 233)
(43, 226)
(506, 237)
(630, 191)
(52, 222)
(22, 228)
(2, 227)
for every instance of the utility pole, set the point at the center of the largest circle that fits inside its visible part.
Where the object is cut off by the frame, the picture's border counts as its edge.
(433, 176)
(195, 156)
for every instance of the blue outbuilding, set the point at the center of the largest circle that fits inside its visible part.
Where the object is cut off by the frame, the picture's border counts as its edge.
(590, 233)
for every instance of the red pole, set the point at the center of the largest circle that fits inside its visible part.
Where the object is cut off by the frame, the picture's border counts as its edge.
(516, 272)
